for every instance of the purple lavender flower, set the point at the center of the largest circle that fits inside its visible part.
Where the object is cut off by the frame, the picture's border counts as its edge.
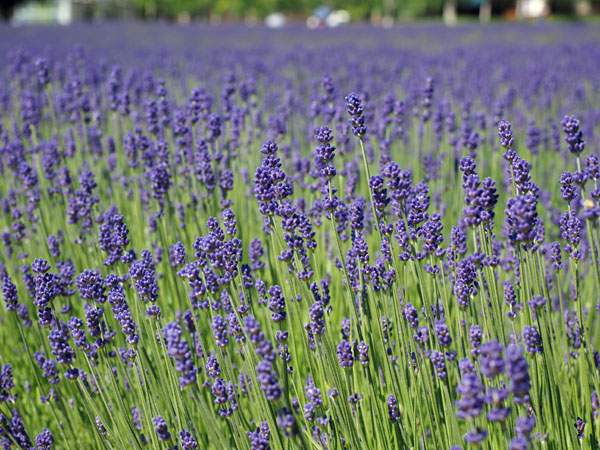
(53, 245)
(6, 384)
(475, 336)
(475, 436)
(114, 237)
(44, 440)
(59, 345)
(344, 353)
(518, 374)
(532, 340)
(143, 273)
(259, 438)
(219, 327)
(315, 399)
(270, 182)
(277, 303)
(91, 286)
(43, 71)
(268, 380)
(161, 428)
(567, 189)
(519, 443)
(505, 134)
(443, 333)
(363, 353)
(421, 335)
(522, 219)
(592, 166)
(431, 233)
(537, 302)
(495, 397)
(16, 428)
(356, 112)
(177, 254)
(178, 349)
(10, 294)
(411, 314)
(466, 285)
(491, 361)
(470, 389)
(574, 136)
(317, 323)
(393, 411)
(439, 364)
(325, 152)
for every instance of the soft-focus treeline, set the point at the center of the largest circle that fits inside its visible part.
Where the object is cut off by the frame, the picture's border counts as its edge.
(358, 9)
(249, 10)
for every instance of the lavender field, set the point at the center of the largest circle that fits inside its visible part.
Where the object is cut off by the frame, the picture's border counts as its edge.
(237, 238)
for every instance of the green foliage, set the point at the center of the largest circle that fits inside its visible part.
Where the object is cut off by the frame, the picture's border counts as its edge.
(238, 9)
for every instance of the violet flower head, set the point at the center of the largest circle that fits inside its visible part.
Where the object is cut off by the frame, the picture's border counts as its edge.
(475, 436)
(443, 333)
(471, 390)
(6, 384)
(43, 71)
(100, 426)
(188, 442)
(177, 254)
(44, 440)
(393, 410)
(567, 189)
(522, 218)
(268, 380)
(277, 303)
(114, 237)
(580, 427)
(356, 112)
(431, 233)
(259, 438)
(325, 152)
(59, 344)
(505, 134)
(91, 286)
(344, 353)
(271, 185)
(161, 428)
(317, 323)
(574, 136)
(143, 274)
(439, 364)
(179, 350)
(592, 166)
(491, 359)
(518, 374)
(10, 294)
(363, 353)
(532, 339)
(466, 285)
(53, 245)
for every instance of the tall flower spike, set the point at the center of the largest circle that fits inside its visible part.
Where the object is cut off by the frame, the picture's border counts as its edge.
(161, 428)
(356, 112)
(574, 136)
(518, 374)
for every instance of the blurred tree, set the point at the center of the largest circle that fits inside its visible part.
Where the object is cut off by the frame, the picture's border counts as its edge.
(562, 6)
(358, 9)
(7, 8)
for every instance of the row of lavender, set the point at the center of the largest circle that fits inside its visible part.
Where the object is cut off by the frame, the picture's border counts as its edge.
(260, 243)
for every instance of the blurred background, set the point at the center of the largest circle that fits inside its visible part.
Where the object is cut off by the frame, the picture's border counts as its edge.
(312, 13)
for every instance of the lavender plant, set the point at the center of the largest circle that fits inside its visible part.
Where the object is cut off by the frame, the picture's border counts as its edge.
(358, 244)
